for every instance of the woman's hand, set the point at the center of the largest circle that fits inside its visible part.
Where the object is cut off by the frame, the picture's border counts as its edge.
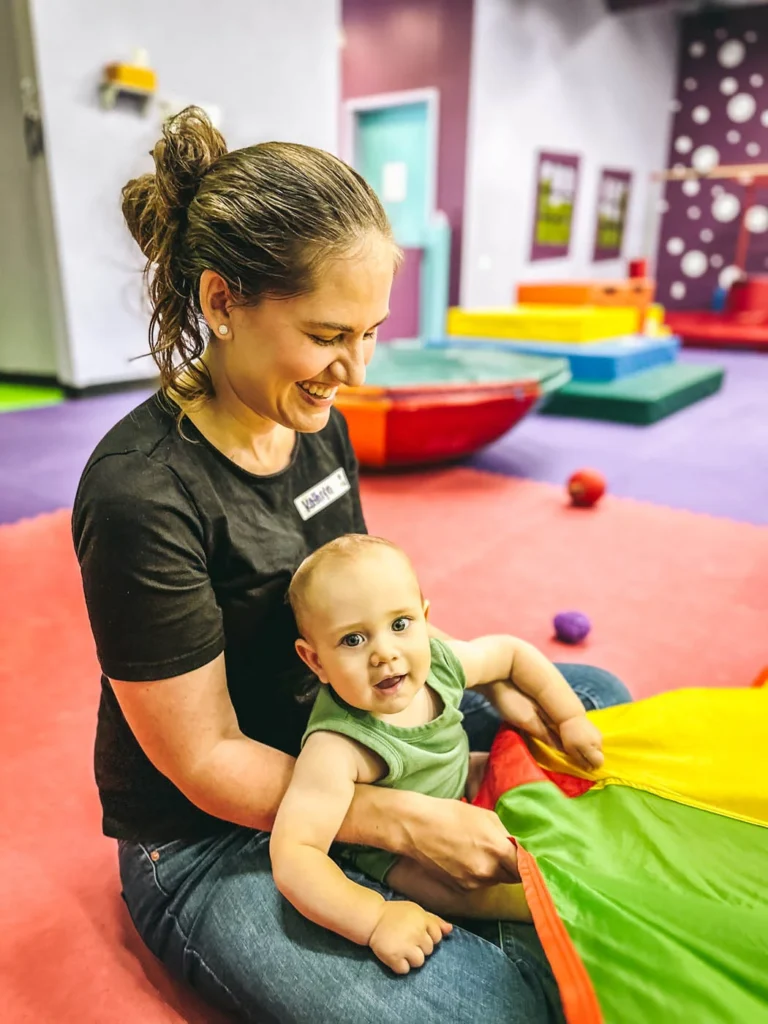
(466, 847)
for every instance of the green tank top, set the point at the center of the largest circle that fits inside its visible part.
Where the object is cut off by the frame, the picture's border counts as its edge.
(432, 759)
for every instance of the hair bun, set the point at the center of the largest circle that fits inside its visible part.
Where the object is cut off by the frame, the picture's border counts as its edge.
(189, 146)
(155, 205)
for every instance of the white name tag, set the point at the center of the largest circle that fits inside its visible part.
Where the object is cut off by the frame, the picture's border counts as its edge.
(322, 495)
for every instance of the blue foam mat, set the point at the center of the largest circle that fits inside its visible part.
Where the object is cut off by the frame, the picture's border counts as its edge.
(596, 361)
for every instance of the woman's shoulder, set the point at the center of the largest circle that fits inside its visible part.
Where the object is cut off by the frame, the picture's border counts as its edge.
(131, 462)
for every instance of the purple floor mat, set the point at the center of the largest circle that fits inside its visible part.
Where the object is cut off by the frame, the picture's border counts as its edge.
(711, 457)
(43, 451)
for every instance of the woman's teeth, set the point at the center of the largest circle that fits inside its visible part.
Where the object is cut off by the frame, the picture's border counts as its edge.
(318, 390)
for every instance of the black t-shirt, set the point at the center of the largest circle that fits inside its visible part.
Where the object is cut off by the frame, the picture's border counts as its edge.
(183, 555)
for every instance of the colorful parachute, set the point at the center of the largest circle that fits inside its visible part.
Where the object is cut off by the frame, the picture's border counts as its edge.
(648, 879)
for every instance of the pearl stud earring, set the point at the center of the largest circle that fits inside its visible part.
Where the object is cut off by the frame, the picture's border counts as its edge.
(223, 329)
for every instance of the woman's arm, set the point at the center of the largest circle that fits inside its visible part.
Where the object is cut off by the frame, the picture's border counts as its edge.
(187, 727)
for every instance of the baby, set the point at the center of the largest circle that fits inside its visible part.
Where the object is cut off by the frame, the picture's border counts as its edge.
(388, 713)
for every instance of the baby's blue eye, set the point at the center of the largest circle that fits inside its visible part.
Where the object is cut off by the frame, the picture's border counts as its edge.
(352, 640)
(400, 625)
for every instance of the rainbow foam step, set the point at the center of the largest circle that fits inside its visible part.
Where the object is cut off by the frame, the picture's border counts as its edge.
(573, 324)
(600, 361)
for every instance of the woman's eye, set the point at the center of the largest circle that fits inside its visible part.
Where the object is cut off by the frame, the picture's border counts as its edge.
(401, 624)
(327, 341)
(353, 640)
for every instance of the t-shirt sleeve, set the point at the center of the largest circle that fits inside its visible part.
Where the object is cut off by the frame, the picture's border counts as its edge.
(352, 470)
(149, 595)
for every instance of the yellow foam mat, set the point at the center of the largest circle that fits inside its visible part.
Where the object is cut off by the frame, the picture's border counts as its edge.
(544, 323)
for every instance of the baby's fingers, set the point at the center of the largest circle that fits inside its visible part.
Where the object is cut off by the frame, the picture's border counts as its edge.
(437, 928)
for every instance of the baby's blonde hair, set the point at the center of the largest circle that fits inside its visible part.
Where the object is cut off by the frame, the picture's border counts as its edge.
(349, 546)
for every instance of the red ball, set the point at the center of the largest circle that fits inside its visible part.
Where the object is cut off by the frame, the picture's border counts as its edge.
(586, 487)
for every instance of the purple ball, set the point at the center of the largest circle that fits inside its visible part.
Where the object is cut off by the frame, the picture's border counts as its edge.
(572, 627)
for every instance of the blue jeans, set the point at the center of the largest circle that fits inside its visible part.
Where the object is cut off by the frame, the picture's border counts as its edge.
(209, 910)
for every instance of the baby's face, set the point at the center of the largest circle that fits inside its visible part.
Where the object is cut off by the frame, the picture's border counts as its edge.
(366, 630)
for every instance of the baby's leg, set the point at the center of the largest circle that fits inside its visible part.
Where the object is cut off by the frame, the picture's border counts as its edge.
(494, 902)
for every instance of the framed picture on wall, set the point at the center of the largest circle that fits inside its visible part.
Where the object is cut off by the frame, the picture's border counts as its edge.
(612, 205)
(557, 180)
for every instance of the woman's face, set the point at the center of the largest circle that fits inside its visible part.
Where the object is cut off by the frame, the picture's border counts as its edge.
(285, 358)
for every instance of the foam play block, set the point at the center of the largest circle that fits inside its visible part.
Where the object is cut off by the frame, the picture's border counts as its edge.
(718, 330)
(643, 398)
(600, 361)
(544, 323)
(632, 292)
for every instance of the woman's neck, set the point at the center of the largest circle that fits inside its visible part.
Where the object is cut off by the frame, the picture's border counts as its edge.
(253, 442)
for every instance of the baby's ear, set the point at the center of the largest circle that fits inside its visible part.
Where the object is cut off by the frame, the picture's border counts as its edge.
(425, 606)
(309, 656)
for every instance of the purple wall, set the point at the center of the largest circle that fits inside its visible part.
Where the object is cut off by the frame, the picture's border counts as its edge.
(720, 115)
(393, 45)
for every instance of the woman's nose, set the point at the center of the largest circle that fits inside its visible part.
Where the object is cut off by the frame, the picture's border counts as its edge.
(349, 368)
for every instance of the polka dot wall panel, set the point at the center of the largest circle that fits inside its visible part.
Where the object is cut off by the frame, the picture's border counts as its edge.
(719, 117)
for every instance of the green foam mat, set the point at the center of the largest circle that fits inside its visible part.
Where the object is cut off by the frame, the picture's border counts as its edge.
(642, 398)
(14, 397)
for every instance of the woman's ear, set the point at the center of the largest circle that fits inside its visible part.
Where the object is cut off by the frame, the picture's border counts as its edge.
(215, 301)
(309, 656)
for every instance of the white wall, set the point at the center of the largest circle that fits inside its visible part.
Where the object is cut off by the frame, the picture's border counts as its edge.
(272, 69)
(560, 75)
(31, 327)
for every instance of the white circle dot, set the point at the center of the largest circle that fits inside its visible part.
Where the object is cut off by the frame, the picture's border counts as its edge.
(697, 49)
(741, 107)
(721, 33)
(728, 276)
(675, 246)
(756, 81)
(756, 219)
(700, 114)
(731, 54)
(694, 263)
(707, 235)
(677, 290)
(726, 207)
(733, 136)
(690, 84)
(662, 206)
(684, 144)
(691, 187)
(716, 261)
(705, 158)
(753, 149)
(694, 212)
(675, 105)
(750, 36)
(764, 119)
(729, 86)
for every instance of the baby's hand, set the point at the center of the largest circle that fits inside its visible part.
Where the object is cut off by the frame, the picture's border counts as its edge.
(406, 934)
(582, 740)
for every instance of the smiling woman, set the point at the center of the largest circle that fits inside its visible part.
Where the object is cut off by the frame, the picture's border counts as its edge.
(269, 270)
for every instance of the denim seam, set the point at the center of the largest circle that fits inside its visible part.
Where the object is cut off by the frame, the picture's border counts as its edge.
(189, 948)
(153, 865)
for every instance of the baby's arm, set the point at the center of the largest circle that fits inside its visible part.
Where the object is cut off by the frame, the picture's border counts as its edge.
(497, 661)
(317, 800)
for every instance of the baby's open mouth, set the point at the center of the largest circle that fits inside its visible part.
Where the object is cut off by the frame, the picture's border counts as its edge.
(390, 682)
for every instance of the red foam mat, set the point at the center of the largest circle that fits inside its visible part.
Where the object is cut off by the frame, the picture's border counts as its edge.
(718, 330)
(676, 599)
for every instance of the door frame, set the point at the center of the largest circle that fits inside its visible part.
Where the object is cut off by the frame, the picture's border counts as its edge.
(352, 108)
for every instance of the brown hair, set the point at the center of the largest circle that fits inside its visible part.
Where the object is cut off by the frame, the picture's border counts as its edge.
(265, 218)
(350, 545)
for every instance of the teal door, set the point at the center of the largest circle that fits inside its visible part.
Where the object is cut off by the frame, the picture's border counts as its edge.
(392, 152)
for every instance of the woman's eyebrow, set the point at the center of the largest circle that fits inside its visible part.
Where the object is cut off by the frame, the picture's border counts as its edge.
(341, 328)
